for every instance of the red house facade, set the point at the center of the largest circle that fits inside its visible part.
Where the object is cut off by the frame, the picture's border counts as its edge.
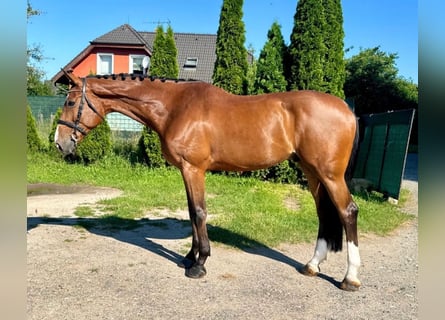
(123, 49)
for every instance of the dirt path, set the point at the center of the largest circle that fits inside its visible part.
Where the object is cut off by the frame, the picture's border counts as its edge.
(78, 273)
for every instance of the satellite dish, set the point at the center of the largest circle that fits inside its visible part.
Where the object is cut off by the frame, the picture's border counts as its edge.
(145, 62)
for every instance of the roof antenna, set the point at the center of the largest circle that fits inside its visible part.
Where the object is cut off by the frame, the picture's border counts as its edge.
(159, 22)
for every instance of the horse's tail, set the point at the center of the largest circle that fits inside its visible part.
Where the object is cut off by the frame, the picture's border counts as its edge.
(351, 164)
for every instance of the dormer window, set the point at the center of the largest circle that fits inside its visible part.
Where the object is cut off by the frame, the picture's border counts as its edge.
(136, 64)
(191, 63)
(104, 63)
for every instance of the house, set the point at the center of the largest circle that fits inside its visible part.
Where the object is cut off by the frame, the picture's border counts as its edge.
(123, 49)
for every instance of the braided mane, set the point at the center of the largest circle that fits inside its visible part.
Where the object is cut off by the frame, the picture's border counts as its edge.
(141, 77)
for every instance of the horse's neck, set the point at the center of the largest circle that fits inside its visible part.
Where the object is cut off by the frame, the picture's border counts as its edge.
(148, 104)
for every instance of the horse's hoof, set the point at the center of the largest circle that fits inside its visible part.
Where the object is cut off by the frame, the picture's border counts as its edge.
(349, 285)
(186, 263)
(196, 271)
(307, 270)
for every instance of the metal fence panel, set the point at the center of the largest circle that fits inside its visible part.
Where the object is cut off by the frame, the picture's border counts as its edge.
(45, 107)
(120, 122)
(383, 149)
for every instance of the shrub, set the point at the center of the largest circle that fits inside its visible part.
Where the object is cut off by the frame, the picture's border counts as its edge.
(94, 146)
(126, 146)
(33, 141)
(287, 171)
(284, 172)
(149, 147)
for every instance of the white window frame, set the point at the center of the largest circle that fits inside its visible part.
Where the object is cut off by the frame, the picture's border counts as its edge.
(130, 61)
(102, 54)
(191, 63)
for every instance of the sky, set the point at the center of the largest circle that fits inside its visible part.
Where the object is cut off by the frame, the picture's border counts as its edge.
(63, 29)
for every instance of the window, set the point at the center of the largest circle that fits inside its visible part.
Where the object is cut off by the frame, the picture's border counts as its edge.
(191, 63)
(104, 63)
(136, 64)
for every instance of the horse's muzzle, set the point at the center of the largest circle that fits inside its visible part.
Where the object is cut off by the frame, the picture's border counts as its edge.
(67, 146)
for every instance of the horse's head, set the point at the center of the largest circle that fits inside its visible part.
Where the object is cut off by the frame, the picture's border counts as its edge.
(78, 117)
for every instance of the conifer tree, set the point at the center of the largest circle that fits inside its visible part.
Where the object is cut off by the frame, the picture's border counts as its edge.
(172, 67)
(334, 66)
(251, 76)
(164, 61)
(270, 69)
(316, 47)
(231, 56)
(307, 48)
(157, 59)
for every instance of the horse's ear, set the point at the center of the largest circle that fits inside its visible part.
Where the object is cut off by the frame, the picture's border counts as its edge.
(72, 77)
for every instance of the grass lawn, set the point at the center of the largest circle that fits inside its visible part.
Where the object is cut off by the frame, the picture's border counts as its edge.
(266, 213)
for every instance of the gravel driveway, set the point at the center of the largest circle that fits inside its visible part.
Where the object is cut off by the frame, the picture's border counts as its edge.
(78, 273)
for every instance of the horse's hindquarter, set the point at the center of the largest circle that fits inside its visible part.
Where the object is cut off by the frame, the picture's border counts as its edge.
(324, 128)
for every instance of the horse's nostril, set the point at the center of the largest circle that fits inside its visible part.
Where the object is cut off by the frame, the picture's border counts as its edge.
(59, 147)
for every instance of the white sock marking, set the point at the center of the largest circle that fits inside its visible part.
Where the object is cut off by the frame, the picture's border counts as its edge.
(320, 253)
(353, 261)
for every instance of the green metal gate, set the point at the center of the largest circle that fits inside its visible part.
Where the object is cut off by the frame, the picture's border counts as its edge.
(383, 149)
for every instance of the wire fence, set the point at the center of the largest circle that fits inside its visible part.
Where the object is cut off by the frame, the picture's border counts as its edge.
(44, 108)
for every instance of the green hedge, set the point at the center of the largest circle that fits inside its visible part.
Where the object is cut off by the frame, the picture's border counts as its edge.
(149, 147)
(33, 141)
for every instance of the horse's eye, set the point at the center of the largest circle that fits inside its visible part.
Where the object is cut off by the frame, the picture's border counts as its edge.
(70, 103)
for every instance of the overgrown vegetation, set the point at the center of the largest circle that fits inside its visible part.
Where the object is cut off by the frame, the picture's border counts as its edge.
(36, 86)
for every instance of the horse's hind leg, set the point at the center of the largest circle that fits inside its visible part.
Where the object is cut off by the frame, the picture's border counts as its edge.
(330, 229)
(335, 210)
(348, 212)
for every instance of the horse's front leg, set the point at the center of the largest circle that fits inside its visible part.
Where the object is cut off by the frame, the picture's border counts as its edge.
(192, 256)
(194, 184)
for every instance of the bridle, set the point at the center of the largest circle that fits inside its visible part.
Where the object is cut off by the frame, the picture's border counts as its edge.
(75, 125)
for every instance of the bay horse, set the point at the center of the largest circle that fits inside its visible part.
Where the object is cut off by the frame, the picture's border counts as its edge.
(202, 127)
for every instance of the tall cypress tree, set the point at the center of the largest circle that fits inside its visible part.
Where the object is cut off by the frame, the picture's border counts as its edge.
(164, 61)
(172, 67)
(334, 71)
(270, 70)
(316, 47)
(157, 57)
(231, 56)
(307, 48)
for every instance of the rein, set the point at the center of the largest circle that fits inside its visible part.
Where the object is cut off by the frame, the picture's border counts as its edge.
(75, 125)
